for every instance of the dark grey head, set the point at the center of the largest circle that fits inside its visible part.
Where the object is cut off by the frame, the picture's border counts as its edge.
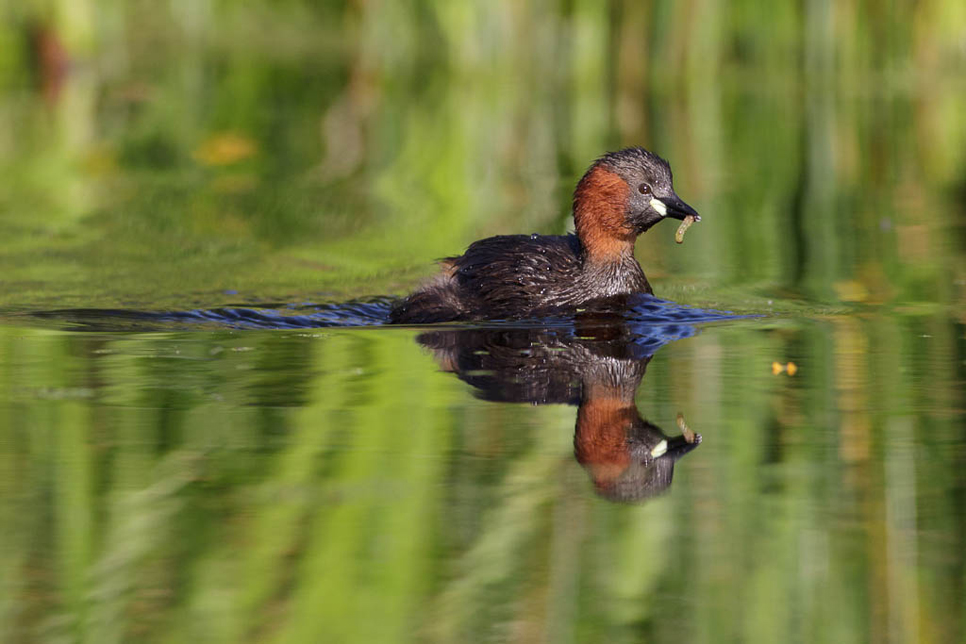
(651, 197)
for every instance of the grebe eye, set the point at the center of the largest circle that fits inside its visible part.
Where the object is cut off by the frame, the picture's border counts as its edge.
(644, 189)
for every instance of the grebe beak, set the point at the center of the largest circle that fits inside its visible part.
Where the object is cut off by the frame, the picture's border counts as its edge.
(673, 207)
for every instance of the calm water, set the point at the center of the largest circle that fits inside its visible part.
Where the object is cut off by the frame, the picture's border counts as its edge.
(207, 434)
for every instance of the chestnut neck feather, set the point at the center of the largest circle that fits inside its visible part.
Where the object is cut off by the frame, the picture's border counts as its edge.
(600, 441)
(600, 207)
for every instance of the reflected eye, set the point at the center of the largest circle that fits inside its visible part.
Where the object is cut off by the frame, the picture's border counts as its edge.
(644, 189)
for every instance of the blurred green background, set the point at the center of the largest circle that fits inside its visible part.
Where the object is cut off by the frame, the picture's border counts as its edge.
(334, 149)
(334, 485)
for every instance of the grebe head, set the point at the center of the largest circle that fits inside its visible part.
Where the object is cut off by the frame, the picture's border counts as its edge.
(622, 195)
(652, 196)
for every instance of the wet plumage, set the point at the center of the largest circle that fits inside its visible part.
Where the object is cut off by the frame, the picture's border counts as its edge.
(622, 195)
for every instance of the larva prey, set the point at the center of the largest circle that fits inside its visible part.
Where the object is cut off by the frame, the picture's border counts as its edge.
(683, 228)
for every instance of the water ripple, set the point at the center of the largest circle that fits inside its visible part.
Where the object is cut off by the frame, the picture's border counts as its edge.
(675, 320)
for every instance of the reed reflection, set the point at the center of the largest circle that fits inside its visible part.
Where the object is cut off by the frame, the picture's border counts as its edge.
(597, 365)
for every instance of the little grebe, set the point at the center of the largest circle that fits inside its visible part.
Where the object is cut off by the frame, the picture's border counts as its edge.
(622, 195)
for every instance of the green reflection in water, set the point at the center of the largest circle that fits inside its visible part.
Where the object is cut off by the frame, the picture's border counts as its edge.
(262, 486)
(335, 486)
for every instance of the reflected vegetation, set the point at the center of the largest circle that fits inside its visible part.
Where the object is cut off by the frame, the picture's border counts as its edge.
(222, 484)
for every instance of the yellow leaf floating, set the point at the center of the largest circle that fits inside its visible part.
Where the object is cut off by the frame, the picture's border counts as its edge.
(224, 149)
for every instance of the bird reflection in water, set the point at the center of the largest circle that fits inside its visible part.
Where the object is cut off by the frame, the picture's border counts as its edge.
(596, 364)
